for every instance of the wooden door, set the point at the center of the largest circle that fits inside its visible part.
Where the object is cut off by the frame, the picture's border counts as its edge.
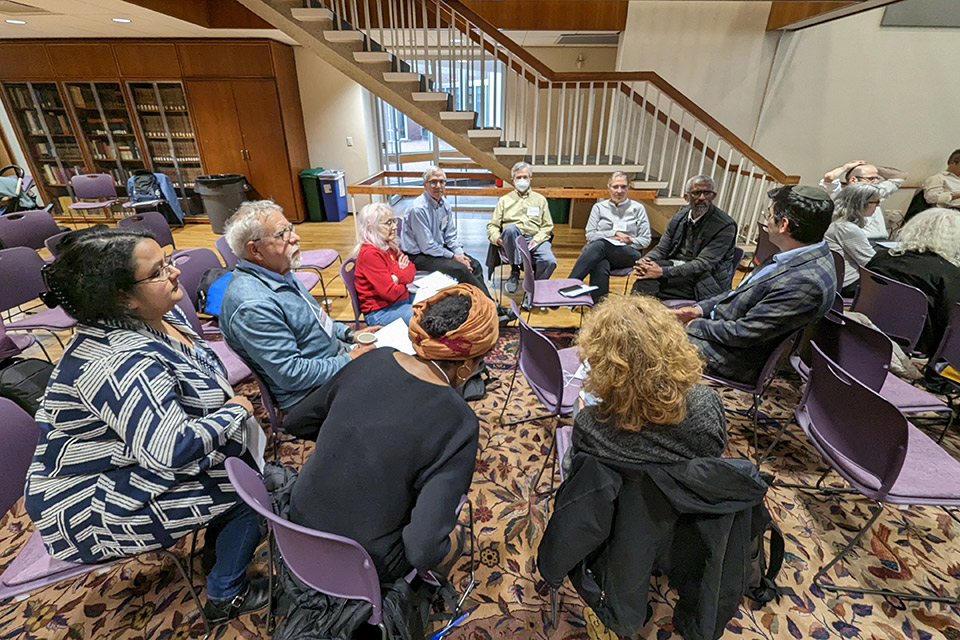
(216, 126)
(261, 122)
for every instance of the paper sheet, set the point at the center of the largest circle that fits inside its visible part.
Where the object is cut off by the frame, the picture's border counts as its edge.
(256, 441)
(395, 335)
(888, 244)
(435, 281)
(615, 242)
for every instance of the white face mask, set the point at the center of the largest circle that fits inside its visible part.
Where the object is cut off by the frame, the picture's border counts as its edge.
(522, 184)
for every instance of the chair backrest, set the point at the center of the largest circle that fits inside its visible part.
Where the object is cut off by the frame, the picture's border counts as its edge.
(898, 309)
(268, 402)
(838, 267)
(770, 366)
(186, 305)
(331, 564)
(862, 351)
(20, 279)
(53, 243)
(151, 221)
(27, 229)
(765, 248)
(529, 281)
(19, 434)
(349, 277)
(229, 257)
(93, 186)
(540, 364)
(737, 259)
(861, 433)
(949, 349)
(193, 263)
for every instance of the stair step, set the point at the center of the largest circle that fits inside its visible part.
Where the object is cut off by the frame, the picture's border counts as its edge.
(372, 56)
(458, 115)
(509, 151)
(430, 96)
(343, 36)
(311, 15)
(670, 201)
(485, 133)
(401, 76)
(649, 184)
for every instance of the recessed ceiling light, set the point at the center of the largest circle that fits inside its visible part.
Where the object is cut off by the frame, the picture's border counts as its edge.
(15, 21)
(123, 20)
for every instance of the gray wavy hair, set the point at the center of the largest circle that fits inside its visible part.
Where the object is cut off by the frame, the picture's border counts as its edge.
(247, 224)
(850, 203)
(520, 166)
(935, 230)
(430, 171)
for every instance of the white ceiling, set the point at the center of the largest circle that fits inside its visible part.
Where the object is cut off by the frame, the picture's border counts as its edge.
(92, 19)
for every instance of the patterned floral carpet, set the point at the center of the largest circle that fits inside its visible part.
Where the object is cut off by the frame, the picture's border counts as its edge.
(910, 549)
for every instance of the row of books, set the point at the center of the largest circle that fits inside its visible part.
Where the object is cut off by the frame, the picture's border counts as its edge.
(181, 148)
(69, 152)
(57, 123)
(180, 127)
(118, 126)
(82, 97)
(171, 97)
(101, 150)
(56, 175)
(47, 96)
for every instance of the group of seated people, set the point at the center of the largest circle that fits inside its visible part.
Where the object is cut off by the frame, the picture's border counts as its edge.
(138, 417)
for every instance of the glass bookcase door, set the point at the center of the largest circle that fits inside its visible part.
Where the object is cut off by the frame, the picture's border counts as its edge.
(41, 117)
(161, 109)
(106, 129)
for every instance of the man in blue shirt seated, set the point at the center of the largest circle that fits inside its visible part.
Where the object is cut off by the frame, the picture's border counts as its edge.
(736, 331)
(269, 318)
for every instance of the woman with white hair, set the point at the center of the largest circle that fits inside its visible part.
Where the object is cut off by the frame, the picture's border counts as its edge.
(927, 257)
(851, 207)
(383, 271)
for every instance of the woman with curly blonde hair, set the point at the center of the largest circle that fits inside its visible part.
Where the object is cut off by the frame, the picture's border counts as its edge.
(644, 373)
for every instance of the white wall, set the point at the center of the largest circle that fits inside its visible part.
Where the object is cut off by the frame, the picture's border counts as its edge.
(335, 107)
(565, 58)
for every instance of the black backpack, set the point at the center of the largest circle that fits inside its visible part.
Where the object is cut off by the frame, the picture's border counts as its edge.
(476, 386)
(762, 576)
(24, 380)
(146, 187)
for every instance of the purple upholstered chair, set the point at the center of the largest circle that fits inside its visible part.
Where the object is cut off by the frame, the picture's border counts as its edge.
(33, 568)
(236, 368)
(53, 243)
(22, 282)
(545, 293)
(877, 451)
(948, 352)
(840, 268)
(898, 309)
(317, 260)
(759, 386)
(192, 264)
(13, 344)
(328, 563)
(98, 187)
(153, 222)
(349, 277)
(309, 279)
(27, 229)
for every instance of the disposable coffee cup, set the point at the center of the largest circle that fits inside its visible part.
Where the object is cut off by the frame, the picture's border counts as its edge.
(365, 338)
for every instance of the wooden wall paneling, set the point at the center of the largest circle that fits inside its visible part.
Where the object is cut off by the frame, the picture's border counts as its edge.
(261, 123)
(291, 109)
(216, 126)
(83, 61)
(154, 61)
(225, 60)
(22, 61)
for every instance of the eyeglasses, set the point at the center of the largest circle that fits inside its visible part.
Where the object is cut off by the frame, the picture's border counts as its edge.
(283, 234)
(162, 274)
(392, 222)
(619, 187)
(873, 202)
(697, 194)
(866, 178)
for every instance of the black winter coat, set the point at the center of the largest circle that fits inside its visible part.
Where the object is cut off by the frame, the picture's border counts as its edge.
(615, 522)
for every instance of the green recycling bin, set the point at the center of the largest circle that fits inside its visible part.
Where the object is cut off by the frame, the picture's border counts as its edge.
(311, 194)
(559, 209)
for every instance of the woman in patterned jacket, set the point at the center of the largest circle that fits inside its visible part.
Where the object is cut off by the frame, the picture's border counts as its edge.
(137, 421)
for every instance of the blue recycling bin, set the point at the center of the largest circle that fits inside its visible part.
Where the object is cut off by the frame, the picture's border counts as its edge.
(333, 190)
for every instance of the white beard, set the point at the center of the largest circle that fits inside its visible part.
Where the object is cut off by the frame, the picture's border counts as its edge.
(296, 260)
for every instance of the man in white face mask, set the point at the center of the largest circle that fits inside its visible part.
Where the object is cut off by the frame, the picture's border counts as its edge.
(522, 212)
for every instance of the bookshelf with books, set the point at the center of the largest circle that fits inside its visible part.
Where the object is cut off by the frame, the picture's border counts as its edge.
(162, 112)
(107, 131)
(39, 115)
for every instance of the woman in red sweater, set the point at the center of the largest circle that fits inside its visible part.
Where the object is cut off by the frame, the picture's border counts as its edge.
(383, 271)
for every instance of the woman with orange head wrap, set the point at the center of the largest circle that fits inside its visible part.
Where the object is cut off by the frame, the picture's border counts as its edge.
(396, 443)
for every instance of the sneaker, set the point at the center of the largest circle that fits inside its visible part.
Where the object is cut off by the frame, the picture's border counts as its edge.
(505, 315)
(513, 282)
(254, 597)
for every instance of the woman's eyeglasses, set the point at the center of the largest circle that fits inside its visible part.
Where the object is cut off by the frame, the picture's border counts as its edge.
(392, 222)
(162, 274)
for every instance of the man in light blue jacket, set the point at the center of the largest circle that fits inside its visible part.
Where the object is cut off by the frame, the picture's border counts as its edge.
(269, 318)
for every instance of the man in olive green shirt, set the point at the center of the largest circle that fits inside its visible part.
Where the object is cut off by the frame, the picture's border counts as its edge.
(522, 213)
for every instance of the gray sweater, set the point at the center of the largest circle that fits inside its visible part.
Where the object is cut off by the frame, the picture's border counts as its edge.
(702, 434)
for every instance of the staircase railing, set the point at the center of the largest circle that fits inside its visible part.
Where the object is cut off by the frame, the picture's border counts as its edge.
(563, 122)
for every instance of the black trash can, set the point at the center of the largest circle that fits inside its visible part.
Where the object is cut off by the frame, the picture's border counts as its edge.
(222, 194)
(311, 194)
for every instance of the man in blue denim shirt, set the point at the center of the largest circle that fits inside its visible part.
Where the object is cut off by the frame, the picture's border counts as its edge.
(269, 318)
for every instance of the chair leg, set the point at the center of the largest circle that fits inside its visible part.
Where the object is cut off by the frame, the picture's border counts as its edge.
(383, 631)
(756, 425)
(554, 607)
(513, 379)
(780, 433)
(473, 573)
(947, 427)
(190, 587)
(550, 455)
(270, 581)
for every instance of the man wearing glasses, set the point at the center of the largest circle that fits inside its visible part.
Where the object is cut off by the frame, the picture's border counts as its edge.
(269, 318)
(737, 330)
(694, 258)
(617, 230)
(887, 179)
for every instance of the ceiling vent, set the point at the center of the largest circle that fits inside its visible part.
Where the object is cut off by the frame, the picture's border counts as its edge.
(589, 39)
(10, 8)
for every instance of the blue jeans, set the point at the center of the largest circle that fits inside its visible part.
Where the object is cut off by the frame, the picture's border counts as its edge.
(543, 261)
(236, 535)
(399, 309)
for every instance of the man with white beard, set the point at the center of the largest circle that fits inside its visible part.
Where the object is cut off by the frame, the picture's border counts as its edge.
(269, 318)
